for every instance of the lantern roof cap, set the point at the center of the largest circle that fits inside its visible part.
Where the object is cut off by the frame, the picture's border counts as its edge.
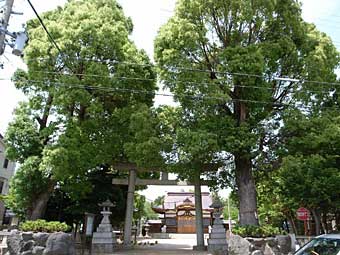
(107, 203)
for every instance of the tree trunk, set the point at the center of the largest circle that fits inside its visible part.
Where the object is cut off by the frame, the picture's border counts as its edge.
(40, 203)
(324, 224)
(246, 190)
(292, 223)
(317, 217)
(337, 220)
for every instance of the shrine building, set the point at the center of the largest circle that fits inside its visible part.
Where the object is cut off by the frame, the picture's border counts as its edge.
(178, 213)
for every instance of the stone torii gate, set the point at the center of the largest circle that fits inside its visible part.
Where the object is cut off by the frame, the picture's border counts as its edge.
(133, 181)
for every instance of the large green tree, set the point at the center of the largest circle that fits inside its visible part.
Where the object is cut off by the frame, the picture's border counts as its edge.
(309, 175)
(221, 59)
(81, 100)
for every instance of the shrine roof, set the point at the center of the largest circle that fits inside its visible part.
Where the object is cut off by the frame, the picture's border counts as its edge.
(174, 199)
(154, 221)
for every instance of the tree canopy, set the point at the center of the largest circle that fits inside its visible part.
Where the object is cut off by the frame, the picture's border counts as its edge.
(221, 59)
(82, 111)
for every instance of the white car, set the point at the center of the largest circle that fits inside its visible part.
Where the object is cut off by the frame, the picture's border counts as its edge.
(328, 244)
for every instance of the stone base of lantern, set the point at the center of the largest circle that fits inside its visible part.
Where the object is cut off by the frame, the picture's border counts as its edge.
(199, 248)
(103, 240)
(217, 242)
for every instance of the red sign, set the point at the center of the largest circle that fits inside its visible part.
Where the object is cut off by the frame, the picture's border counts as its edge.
(302, 213)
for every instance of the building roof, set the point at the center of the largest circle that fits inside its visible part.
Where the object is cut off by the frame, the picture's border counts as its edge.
(154, 221)
(174, 199)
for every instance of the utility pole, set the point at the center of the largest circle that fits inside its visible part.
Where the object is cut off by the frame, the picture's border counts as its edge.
(229, 218)
(5, 13)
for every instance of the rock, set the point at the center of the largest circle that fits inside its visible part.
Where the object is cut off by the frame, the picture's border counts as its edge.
(40, 238)
(238, 245)
(14, 243)
(27, 253)
(26, 236)
(271, 250)
(270, 241)
(59, 244)
(284, 243)
(38, 250)
(256, 243)
(257, 252)
(27, 246)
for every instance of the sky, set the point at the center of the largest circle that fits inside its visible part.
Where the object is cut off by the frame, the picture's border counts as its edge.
(147, 17)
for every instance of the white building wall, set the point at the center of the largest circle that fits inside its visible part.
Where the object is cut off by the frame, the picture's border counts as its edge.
(5, 176)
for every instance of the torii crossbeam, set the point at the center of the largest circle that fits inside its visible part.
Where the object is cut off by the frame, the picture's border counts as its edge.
(133, 181)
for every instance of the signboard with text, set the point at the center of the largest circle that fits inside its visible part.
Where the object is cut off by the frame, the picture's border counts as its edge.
(302, 214)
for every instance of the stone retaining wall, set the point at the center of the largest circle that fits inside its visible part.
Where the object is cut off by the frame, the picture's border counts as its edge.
(279, 245)
(29, 243)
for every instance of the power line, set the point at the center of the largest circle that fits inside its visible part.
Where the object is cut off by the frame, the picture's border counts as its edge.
(138, 91)
(180, 68)
(191, 97)
(103, 61)
(196, 83)
(45, 28)
(96, 75)
(48, 33)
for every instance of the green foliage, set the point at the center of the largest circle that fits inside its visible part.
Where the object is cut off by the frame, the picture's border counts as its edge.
(44, 226)
(143, 208)
(26, 185)
(149, 213)
(306, 162)
(159, 201)
(256, 231)
(22, 136)
(72, 128)
(310, 173)
(229, 119)
(69, 202)
(234, 211)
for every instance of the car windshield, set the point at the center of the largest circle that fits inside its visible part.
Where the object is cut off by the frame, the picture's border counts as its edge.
(321, 246)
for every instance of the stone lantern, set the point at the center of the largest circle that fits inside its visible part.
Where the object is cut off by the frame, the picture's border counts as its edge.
(217, 242)
(104, 240)
(147, 228)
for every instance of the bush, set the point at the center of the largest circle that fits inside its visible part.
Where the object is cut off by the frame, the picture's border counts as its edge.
(256, 231)
(44, 226)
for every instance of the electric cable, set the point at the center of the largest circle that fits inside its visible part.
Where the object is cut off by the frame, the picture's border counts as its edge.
(277, 78)
(194, 83)
(48, 33)
(45, 28)
(193, 97)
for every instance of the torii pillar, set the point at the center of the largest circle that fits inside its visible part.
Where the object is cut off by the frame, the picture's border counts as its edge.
(129, 209)
(199, 215)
